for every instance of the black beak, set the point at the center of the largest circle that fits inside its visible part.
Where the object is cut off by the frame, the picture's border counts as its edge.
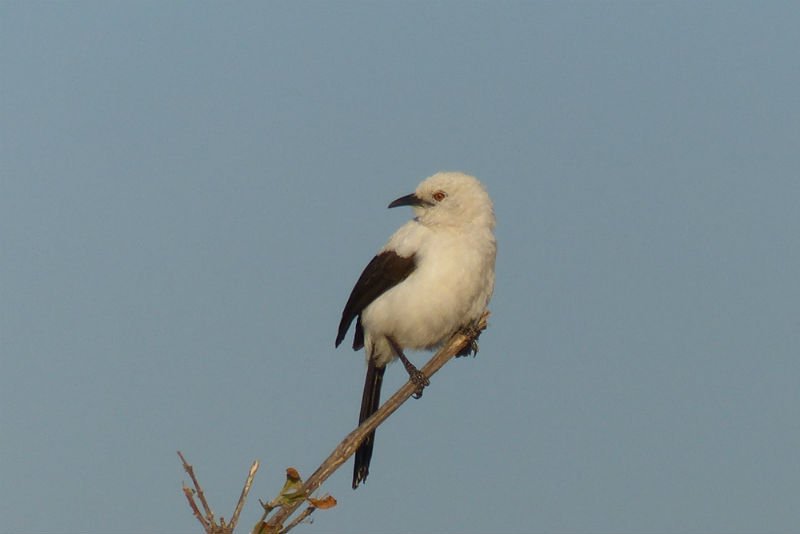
(408, 200)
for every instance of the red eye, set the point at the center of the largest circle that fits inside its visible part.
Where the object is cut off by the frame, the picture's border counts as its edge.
(438, 196)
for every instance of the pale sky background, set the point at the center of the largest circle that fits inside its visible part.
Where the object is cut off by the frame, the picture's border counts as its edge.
(189, 190)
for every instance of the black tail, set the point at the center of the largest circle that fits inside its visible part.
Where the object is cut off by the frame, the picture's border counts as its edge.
(370, 401)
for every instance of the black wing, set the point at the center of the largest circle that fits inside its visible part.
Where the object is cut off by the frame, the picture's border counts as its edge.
(385, 271)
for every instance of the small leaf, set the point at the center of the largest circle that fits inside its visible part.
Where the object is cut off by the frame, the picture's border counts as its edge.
(324, 503)
(292, 490)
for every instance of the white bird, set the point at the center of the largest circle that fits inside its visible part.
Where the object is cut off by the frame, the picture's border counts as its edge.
(433, 277)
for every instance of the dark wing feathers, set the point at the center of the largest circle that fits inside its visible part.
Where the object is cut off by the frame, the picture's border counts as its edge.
(385, 271)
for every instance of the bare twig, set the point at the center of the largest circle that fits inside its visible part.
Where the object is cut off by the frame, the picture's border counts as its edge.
(268, 508)
(349, 444)
(190, 497)
(209, 516)
(243, 497)
(299, 519)
(210, 525)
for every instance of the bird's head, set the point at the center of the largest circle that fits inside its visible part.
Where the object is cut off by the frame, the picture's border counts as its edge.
(450, 199)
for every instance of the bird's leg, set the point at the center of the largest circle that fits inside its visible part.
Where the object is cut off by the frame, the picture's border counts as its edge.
(416, 376)
(472, 332)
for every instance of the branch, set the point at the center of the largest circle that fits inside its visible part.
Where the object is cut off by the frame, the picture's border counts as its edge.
(348, 446)
(209, 517)
(210, 525)
(243, 497)
(189, 493)
(299, 519)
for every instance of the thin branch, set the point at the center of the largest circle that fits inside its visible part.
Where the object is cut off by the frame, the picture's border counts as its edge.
(243, 497)
(348, 446)
(210, 525)
(299, 519)
(200, 495)
(190, 497)
(268, 508)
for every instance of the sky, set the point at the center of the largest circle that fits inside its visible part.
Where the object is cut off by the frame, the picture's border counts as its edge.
(189, 190)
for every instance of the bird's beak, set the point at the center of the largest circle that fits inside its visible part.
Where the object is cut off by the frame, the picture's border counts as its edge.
(408, 200)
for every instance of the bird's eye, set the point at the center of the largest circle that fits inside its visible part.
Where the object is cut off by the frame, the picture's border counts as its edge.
(440, 195)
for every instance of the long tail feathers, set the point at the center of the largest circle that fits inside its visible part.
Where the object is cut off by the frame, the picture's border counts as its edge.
(370, 401)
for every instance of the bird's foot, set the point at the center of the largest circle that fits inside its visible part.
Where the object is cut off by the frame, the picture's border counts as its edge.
(416, 376)
(472, 332)
(420, 380)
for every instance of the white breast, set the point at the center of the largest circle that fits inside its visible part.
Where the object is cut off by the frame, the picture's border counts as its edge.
(450, 287)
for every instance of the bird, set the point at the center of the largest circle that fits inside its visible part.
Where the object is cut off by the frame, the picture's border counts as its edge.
(433, 278)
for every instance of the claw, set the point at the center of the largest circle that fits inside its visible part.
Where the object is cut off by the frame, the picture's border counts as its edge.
(416, 376)
(419, 379)
(472, 332)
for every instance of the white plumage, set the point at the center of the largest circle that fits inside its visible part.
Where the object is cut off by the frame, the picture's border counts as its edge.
(434, 276)
(454, 248)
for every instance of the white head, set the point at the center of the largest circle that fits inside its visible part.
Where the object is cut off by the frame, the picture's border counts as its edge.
(450, 199)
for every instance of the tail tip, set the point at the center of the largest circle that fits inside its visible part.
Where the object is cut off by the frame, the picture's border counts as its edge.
(360, 475)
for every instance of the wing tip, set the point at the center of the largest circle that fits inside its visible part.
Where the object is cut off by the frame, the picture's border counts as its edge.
(342, 332)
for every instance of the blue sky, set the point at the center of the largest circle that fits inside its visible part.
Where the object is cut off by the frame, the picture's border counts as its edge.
(188, 192)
